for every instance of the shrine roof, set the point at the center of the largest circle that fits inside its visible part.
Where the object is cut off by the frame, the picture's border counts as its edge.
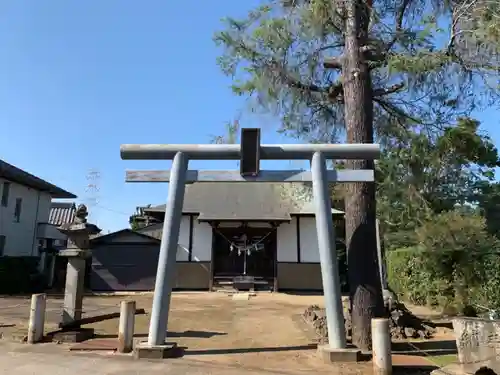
(245, 201)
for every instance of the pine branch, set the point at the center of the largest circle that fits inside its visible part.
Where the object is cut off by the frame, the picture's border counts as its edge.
(398, 24)
(332, 63)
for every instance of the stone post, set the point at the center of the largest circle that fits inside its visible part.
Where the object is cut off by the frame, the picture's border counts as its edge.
(126, 327)
(77, 252)
(381, 347)
(37, 318)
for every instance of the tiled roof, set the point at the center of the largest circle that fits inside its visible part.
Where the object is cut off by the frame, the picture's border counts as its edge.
(12, 173)
(61, 213)
(244, 201)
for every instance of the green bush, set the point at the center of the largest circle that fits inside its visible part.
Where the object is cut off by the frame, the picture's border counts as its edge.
(488, 294)
(19, 275)
(410, 277)
(456, 263)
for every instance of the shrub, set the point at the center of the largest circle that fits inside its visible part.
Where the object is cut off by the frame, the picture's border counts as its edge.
(20, 275)
(456, 262)
(410, 277)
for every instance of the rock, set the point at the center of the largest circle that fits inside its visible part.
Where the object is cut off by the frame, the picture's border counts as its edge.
(410, 332)
(319, 322)
(389, 298)
(397, 333)
(406, 325)
(311, 313)
(403, 324)
(422, 334)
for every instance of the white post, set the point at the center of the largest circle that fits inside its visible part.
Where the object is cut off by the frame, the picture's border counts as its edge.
(126, 327)
(37, 318)
(381, 347)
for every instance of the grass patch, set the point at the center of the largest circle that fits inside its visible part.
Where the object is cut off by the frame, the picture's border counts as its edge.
(442, 360)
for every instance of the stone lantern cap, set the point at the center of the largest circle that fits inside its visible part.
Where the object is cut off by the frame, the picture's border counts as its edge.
(78, 232)
(79, 225)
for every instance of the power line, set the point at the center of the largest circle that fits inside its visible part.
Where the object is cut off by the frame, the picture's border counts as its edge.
(111, 210)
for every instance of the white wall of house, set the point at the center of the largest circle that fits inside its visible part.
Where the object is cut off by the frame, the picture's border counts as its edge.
(21, 237)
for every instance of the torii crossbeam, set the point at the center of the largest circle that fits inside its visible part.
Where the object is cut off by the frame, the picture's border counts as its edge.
(249, 153)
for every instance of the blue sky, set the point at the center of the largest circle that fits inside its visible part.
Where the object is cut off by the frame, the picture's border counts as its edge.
(79, 78)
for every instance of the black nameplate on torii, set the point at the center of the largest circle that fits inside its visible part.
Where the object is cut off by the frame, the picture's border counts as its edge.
(250, 152)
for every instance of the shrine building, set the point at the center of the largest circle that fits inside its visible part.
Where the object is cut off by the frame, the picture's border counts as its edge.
(238, 235)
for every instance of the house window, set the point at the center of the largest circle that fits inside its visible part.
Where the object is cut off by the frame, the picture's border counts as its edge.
(17, 210)
(5, 194)
(2, 245)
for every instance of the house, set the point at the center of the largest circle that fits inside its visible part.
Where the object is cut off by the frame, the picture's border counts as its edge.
(61, 213)
(25, 202)
(141, 219)
(263, 233)
(55, 266)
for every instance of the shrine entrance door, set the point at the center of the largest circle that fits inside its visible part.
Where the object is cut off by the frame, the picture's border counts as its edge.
(244, 252)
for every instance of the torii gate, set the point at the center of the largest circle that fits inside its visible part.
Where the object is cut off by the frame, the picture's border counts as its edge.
(249, 153)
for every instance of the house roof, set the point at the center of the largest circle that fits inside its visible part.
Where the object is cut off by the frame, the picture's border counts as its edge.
(242, 201)
(61, 213)
(109, 236)
(14, 174)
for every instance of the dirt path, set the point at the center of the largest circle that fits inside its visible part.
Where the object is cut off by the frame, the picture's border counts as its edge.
(256, 333)
(261, 334)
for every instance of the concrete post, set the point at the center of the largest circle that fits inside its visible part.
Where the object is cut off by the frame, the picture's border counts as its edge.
(37, 318)
(126, 327)
(381, 346)
(74, 289)
(168, 251)
(328, 254)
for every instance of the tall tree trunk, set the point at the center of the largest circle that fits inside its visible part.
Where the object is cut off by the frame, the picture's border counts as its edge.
(364, 281)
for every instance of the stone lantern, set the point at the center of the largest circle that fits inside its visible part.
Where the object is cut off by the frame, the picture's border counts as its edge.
(78, 251)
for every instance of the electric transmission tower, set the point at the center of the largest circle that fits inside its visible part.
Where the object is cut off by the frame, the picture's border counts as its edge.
(92, 189)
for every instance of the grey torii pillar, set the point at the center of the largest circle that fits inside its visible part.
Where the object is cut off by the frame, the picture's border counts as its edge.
(77, 252)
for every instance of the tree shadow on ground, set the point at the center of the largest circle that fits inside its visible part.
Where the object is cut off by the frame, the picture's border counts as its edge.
(184, 351)
(171, 334)
(307, 293)
(425, 348)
